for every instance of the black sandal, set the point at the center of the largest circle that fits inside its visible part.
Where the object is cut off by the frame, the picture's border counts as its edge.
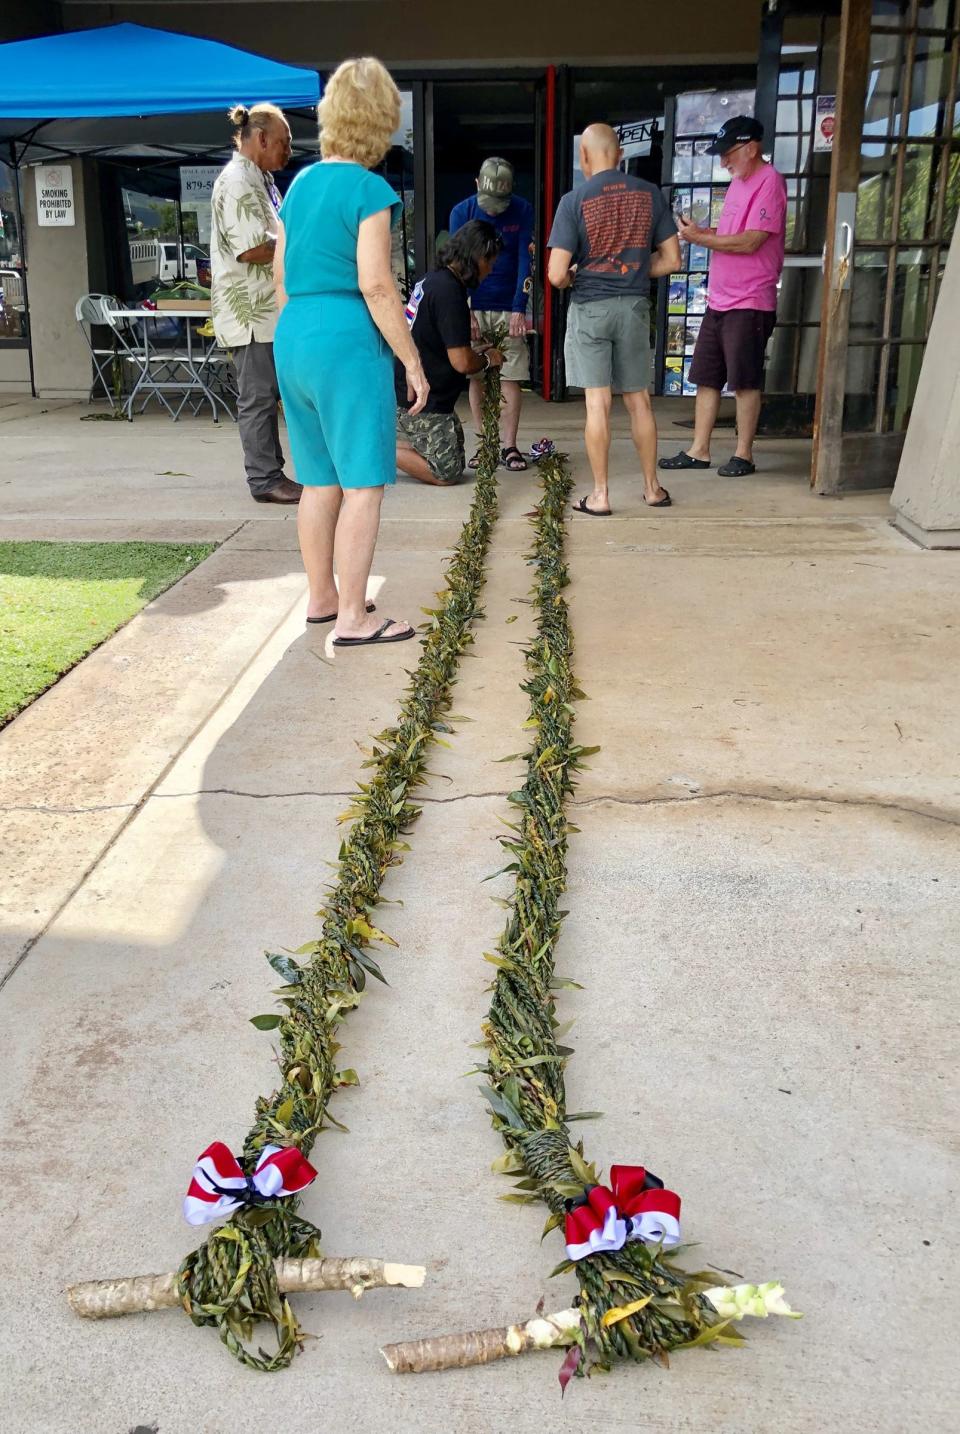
(332, 616)
(513, 460)
(665, 502)
(581, 507)
(683, 460)
(737, 468)
(375, 637)
(475, 460)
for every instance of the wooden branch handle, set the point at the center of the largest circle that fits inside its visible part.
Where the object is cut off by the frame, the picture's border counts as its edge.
(107, 1299)
(482, 1346)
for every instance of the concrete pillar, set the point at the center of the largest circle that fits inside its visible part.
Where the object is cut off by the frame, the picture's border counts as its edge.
(926, 496)
(62, 264)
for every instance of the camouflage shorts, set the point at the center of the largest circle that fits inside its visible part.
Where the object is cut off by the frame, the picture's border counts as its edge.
(437, 437)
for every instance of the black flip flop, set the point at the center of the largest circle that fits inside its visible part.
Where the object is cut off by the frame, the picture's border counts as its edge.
(581, 507)
(665, 502)
(332, 616)
(375, 637)
(737, 468)
(683, 460)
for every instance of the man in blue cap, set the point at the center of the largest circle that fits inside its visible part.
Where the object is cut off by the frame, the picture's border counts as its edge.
(502, 297)
(745, 269)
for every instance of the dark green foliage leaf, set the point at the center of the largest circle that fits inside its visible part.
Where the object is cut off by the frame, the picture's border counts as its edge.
(502, 1107)
(286, 968)
(266, 1023)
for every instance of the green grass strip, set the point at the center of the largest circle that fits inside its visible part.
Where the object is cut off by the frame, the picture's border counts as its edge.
(525, 1067)
(229, 1282)
(58, 601)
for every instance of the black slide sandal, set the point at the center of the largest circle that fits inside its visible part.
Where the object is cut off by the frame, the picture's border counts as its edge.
(375, 637)
(581, 507)
(332, 616)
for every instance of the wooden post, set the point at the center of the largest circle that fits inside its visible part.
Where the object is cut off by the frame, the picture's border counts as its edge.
(853, 64)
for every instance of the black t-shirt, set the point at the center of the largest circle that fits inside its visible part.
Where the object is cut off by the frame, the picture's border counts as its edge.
(439, 318)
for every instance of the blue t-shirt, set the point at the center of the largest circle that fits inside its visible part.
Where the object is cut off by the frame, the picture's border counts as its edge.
(321, 216)
(505, 287)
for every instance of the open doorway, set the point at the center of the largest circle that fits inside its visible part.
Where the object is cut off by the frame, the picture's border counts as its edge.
(472, 120)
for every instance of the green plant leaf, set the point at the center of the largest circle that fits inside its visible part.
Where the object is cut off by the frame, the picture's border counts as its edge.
(286, 968)
(268, 1022)
(554, 1221)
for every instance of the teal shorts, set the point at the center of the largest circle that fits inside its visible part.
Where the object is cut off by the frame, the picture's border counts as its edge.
(335, 373)
(608, 344)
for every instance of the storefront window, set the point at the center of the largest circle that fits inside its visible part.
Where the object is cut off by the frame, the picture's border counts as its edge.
(153, 240)
(13, 314)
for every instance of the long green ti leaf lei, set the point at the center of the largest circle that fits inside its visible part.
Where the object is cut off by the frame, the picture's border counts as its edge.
(229, 1282)
(525, 1064)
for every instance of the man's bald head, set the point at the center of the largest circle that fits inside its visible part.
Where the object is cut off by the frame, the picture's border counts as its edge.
(599, 149)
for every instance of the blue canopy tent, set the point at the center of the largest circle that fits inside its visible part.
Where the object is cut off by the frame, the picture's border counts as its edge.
(133, 70)
(129, 93)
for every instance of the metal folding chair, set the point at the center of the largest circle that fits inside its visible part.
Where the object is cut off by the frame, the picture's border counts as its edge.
(91, 314)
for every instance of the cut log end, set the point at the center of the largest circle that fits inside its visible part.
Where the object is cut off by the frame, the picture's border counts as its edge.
(410, 1276)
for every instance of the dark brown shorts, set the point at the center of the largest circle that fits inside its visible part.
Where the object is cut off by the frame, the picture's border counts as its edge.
(730, 348)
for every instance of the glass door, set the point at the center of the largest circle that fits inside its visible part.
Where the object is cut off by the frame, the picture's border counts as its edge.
(399, 170)
(894, 194)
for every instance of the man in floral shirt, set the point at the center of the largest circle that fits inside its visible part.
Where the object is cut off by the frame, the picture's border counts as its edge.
(244, 300)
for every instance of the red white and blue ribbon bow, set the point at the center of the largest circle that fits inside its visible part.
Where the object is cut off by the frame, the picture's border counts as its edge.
(634, 1207)
(219, 1186)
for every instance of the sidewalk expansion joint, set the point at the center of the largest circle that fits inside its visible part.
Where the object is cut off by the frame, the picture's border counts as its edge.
(725, 794)
(334, 792)
(931, 814)
(72, 811)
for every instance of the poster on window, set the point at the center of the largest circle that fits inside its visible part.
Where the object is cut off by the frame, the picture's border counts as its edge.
(825, 124)
(55, 196)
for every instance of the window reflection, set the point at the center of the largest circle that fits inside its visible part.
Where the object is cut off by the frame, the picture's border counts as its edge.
(13, 317)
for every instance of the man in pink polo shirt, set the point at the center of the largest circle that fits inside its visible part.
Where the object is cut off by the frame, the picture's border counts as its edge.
(747, 261)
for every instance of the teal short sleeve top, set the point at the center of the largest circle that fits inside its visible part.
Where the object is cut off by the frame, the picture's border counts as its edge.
(322, 214)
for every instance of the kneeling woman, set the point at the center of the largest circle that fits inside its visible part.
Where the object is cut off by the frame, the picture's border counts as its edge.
(341, 317)
(430, 443)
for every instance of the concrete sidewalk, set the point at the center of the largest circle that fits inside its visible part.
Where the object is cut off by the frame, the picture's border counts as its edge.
(762, 905)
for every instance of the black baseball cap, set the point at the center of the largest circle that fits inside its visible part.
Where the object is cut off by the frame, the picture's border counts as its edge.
(739, 130)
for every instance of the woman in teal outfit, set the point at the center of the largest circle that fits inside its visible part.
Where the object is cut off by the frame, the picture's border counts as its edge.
(341, 322)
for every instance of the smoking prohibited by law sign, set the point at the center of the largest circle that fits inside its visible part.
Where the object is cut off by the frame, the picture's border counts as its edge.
(55, 195)
(826, 123)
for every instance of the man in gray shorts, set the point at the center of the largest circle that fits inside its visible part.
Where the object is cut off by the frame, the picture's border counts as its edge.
(610, 237)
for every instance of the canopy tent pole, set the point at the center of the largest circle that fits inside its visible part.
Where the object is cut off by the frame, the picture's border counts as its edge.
(15, 166)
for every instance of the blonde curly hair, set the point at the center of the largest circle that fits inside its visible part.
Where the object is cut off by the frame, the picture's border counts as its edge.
(359, 112)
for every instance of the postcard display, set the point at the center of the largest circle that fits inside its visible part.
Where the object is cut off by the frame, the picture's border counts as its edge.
(697, 193)
(696, 187)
